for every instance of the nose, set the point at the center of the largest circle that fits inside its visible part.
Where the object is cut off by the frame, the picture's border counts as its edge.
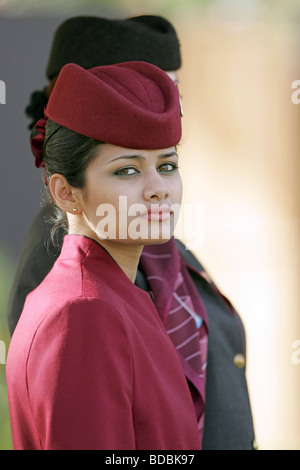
(155, 188)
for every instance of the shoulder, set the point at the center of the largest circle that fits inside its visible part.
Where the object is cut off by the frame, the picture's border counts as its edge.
(80, 321)
(82, 311)
(78, 335)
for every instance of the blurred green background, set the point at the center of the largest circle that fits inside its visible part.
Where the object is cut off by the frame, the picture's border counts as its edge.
(6, 275)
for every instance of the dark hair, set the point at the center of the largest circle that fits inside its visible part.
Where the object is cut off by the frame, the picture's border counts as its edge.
(68, 153)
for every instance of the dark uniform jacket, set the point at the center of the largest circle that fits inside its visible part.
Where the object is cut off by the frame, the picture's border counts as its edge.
(228, 418)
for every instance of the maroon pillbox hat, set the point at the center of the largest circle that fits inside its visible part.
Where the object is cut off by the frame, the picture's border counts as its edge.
(133, 105)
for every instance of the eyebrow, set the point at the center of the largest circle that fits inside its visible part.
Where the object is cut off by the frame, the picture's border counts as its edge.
(140, 157)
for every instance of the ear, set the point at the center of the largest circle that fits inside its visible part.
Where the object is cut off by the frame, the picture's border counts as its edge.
(65, 196)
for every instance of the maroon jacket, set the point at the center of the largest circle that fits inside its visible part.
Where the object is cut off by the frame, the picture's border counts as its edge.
(90, 365)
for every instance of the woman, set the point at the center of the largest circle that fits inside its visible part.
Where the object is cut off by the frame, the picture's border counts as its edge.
(90, 365)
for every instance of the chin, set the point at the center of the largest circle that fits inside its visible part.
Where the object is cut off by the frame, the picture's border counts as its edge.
(148, 242)
(145, 234)
(155, 241)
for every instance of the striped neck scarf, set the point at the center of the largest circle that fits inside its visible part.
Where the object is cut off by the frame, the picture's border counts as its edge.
(183, 314)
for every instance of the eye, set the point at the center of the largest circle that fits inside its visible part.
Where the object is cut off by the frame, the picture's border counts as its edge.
(167, 168)
(129, 171)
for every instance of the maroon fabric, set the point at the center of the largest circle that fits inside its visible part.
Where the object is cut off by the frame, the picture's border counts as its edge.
(90, 365)
(37, 143)
(183, 314)
(133, 105)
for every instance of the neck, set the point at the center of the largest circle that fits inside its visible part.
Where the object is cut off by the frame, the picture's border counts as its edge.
(126, 255)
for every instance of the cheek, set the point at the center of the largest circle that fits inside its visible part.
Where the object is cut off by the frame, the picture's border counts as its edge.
(99, 192)
(107, 200)
(175, 189)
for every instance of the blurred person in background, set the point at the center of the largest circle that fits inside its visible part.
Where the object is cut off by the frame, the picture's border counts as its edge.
(204, 327)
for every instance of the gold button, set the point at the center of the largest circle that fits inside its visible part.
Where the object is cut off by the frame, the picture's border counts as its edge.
(255, 445)
(239, 361)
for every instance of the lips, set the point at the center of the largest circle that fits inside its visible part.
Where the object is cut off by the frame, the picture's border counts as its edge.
(158, 212)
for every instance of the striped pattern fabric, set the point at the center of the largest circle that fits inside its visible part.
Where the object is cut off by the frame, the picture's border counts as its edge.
(182, 312)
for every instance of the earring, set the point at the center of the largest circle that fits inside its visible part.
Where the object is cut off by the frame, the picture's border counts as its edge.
(75, 210)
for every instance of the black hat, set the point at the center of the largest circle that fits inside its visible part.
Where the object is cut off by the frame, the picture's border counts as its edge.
(92, 41)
